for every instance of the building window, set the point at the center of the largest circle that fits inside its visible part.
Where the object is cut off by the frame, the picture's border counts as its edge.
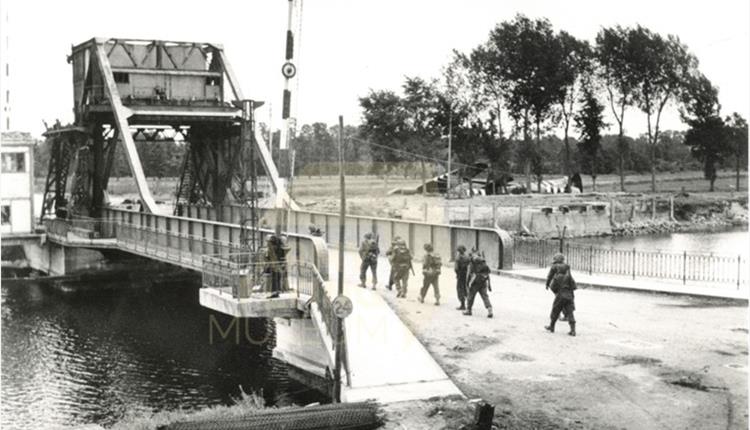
(122, 78)
(5, 214)
(14, 162)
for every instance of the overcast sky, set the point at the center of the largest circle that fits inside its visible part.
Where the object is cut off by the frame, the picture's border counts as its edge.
(348, 46)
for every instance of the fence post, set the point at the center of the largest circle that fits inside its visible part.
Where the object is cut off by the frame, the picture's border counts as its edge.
(653, 208)
(671, 208)
(739, 270)
(471, 213)
(684, 267)
(494, 214)
(591, 259)
(611, 211)
(633, 263)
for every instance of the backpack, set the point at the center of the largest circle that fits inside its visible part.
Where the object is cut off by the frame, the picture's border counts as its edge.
(401, 255)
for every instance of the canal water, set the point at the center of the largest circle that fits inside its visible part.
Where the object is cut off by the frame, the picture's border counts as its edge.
(93, 357)
(729, 242)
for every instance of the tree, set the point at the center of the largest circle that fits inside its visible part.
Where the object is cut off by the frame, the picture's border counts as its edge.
(614, 53)
(707, 135)
(589, 122)
(736, 135)
(576, 61)
(421, 104)
(660, 68)
(525, 56)
(384, 122)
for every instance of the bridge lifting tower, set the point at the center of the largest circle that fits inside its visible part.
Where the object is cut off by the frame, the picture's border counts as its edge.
(128, 88)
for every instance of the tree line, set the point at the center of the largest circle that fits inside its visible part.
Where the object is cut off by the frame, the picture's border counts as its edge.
(543, 81)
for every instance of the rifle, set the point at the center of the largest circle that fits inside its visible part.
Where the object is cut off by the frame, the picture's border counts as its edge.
(411, 267)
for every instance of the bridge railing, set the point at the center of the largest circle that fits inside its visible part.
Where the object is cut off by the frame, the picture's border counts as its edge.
(180, 237)
(242, 275)
(634, 263)
(496, 244)
(79, 227)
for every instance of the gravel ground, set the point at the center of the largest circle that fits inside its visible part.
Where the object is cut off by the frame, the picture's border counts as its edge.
(640, 361)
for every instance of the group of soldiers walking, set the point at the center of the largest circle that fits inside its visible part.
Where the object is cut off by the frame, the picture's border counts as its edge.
(472, 277)
(472, 272)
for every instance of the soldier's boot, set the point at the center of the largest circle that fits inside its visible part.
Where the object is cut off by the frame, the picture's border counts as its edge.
(572, 331)
(462, 307)
(551, 327)
(489, 312)
(362, 283)
(467, 311)
(421, 299)
(437, 302)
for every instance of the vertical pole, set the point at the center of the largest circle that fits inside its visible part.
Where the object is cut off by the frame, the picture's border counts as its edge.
(471, 213)
(520, 216)
(450, 147)
(494, 215)
(684, 267)
(591, 259)
(671, 208)
(653, 208)
(342, 217)
(633, 263)
(739, 270)
(612, 211)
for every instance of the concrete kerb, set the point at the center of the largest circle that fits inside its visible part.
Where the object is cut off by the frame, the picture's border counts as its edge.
(624, 288)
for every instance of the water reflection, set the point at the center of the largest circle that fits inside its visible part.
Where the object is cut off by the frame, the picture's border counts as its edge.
(92, 357)
(731, 242)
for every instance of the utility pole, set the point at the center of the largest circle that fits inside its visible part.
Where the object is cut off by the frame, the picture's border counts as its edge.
(450, 149)
(340, 321)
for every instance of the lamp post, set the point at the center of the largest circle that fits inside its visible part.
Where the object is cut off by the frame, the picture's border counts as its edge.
(450, 149)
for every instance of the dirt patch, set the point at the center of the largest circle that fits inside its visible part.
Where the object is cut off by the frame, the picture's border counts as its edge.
(703, 303)
(473, 343)
(691, 380)
(512, 356)
(638, 359)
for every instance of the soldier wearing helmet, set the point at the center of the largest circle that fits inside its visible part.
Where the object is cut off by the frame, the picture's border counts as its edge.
(368, 252)
(479, 282)
(561, 282)
(400, 257)
(461, 267)
(431, 265)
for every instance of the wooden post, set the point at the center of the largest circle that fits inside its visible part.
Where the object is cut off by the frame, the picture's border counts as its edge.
(671, 208)
(633, 263)
(653, 208)
(612, 210)
(342, 217)
(494, 214)
(684, 267)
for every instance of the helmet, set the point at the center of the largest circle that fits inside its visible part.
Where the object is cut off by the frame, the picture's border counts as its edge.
(558, 258)
(461, 249)
(428, 247)
(368, 235)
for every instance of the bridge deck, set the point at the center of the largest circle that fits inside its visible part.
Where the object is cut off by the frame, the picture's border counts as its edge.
(387, 361)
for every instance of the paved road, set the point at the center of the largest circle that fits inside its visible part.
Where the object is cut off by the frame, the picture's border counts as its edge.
(641, 361)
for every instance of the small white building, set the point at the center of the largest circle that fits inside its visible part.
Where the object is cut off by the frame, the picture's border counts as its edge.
(16, 182)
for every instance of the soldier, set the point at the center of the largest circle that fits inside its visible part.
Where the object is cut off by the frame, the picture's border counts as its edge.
(561, 282)
(390, 253)
(401, 266)
(275, 263)
(462, 272)
(368, 252)
(430, 274)
(479, 282)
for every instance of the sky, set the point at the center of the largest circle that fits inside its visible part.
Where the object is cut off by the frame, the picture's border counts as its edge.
(347, 47)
